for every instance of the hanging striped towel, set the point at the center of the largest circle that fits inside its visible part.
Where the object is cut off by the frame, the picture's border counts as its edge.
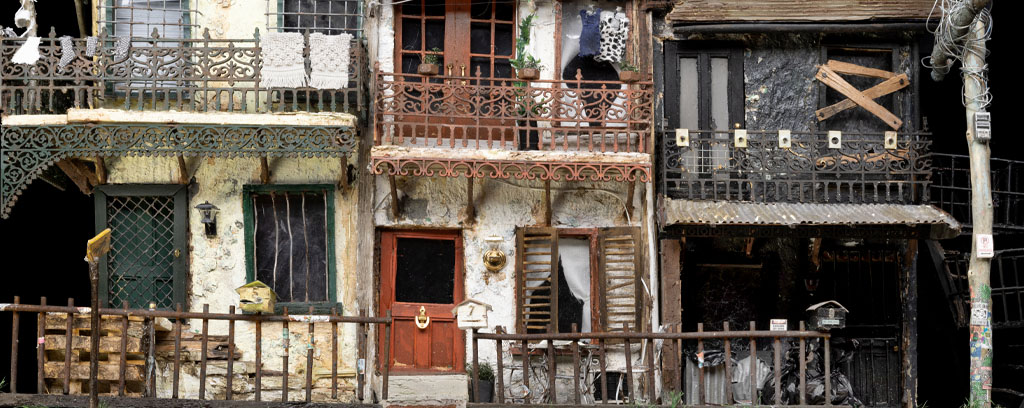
(28, 53)
(329, 59)
(283, 66)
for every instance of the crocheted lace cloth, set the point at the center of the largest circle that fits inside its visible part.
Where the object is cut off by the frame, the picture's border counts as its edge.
(121, 47)
(329, 60)
(614, 33)
(283, 66)
(67, 51)
(90, 46)
(28, 53)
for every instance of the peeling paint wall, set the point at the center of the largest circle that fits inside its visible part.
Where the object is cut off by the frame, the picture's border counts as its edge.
(217, 267)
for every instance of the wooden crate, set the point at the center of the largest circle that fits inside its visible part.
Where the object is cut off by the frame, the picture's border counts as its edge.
(110, 353)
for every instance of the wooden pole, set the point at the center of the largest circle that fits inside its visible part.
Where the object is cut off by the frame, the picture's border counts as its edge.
(94, 334)
(978, 274)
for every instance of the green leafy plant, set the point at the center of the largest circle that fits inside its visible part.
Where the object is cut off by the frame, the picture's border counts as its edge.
(434, 59)
(625, 66)
(523, 58)
(486, 372)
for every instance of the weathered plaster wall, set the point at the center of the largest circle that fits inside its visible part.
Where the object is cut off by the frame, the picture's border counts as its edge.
(217, 266)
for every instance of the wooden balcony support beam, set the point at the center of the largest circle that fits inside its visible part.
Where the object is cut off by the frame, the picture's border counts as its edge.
(80, 174)
(183, 174)
(547, 202)
(630, 188)
(264, 170)
(396, 210)
(470, 206)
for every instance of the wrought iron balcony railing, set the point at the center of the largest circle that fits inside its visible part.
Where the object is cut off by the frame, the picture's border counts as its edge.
(482, 113)
(951, 190)
(803, 167)
(200, 75)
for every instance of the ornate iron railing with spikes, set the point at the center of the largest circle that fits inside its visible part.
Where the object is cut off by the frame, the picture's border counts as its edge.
(201, 75)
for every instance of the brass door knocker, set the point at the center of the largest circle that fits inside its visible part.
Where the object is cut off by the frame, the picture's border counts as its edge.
(422, 321)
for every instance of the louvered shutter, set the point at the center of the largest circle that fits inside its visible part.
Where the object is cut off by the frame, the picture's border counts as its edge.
(536, 278)
(621, 287)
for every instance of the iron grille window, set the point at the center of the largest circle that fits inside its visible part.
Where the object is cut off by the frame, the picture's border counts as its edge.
(290, 242)
(145, 264)
(138, 18)
(325, 16)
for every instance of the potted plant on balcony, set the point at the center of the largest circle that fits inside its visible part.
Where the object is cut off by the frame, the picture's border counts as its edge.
(527, 66)
(486, 382)
(431, 64)
(629, 73)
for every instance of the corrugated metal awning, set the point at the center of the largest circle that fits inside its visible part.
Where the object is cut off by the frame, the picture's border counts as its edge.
(675, 212)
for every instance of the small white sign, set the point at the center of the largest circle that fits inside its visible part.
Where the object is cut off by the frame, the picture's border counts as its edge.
(829, 322)
(979, 314)
(986, 248)
(779, 325)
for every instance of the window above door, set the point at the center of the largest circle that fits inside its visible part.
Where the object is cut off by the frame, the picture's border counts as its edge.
(425, 27)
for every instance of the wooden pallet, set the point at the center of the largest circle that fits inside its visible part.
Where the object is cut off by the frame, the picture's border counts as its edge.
(109, 356)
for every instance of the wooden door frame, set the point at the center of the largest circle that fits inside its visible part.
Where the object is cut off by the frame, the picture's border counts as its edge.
(386, 298)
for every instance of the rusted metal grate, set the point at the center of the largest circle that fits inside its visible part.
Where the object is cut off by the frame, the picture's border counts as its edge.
(330, 17)
(141, 262)
(951, 190)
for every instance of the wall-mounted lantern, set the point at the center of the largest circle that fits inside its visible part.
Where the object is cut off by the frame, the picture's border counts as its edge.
(494, 258)
(209, 220)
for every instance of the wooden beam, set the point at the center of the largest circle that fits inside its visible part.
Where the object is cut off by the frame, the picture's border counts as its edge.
(101, 169)
(854, 69)
(470, 206)
(264, 170)
(630, 186)
(889, 86)
(182, 171)
(816, 253)
(834, 81)
(395, 205)
(343, 183)
(671, 306)
(547, 203)
(84, 178)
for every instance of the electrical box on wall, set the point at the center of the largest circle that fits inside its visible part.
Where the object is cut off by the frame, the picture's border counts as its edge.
(982, 126)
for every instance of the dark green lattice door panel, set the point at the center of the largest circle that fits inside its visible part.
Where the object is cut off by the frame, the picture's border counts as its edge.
(146, 263)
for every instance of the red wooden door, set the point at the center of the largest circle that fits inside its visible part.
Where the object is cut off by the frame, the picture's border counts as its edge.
(423, 271)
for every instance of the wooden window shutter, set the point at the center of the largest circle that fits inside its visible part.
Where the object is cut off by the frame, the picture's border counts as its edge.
(536, 273)
(621, 266)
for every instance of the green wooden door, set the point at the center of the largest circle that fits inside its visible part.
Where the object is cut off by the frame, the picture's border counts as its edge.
(147, 259)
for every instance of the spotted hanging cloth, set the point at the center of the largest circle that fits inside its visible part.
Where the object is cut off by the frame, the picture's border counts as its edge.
(28, 53)
(283, 65)
(329, 59)
(67, 51)
(614, 33)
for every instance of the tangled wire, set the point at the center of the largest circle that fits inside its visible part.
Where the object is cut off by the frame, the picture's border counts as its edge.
(957, 47)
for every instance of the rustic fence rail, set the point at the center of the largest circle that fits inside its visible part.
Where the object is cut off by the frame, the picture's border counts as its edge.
(951, 190)
(143, 345)
(477, 112)
(669, 345)
(185, 74)
(798, 167)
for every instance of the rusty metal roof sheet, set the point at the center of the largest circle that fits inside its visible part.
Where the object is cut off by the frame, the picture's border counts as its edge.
(797, 214)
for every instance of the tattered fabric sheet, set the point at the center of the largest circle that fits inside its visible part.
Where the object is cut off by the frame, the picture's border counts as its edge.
(329, 59)
(283, 65)
(28, 53)
(614, 33)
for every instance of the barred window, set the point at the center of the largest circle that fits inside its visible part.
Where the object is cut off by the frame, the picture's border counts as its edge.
(289, 242)
(138, 18)
(325, 16)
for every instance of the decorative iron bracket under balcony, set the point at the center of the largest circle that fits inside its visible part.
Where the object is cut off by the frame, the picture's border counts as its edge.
(476, 126)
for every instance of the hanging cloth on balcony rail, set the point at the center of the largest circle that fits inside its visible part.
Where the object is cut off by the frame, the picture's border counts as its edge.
(28, 53)
(590, 33)
(90, 46)
(67, 51)
(614, 32)
(329, 59)
(283, 65)
(121, 47)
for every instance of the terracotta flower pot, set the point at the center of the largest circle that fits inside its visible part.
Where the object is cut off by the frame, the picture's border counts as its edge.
(427, 69)
(529, 74)
(629, 76)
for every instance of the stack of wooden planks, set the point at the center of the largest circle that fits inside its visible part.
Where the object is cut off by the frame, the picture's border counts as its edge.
(70, 365)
